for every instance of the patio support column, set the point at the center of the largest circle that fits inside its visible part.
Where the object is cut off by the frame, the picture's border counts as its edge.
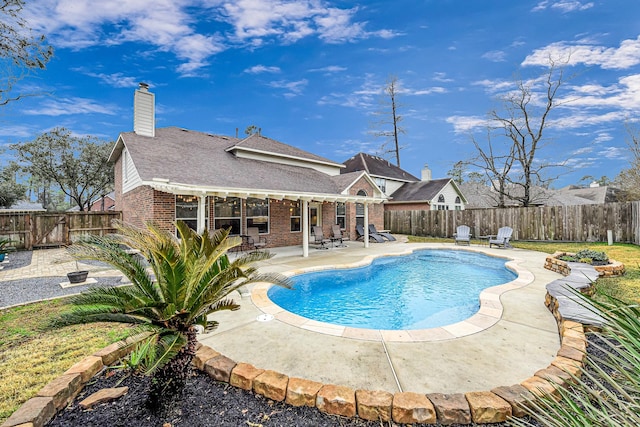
(305, 229)
(202, 207)
(366, 225)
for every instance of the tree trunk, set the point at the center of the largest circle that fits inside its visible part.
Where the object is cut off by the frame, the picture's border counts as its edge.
(167, 384)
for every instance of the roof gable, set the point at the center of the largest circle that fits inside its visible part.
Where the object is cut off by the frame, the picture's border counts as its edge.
(378, 167)
(423, 190)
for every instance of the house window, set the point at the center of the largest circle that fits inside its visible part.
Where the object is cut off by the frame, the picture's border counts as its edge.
(228, 213)
(441, 199)
(294, 213)
(258, 214)
(187, 211)
(360, 209)
(458, 203)
(341, 213)
(382, 184)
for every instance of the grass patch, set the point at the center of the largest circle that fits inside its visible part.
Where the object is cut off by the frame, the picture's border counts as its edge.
(626, 288)
(32, 353)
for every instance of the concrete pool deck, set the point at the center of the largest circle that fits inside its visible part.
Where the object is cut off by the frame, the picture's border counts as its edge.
(506, 346)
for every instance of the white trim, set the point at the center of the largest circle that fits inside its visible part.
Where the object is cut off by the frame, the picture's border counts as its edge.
(285, 156)
(195, 190)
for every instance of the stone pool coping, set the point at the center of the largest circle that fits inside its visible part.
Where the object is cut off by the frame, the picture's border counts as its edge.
(489, 314)
(479, 407)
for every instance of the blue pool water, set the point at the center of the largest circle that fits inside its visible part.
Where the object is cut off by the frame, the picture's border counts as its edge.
(426, 289)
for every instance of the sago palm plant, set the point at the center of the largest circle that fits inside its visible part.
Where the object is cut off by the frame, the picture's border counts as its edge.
(608, 392)
(189, 279)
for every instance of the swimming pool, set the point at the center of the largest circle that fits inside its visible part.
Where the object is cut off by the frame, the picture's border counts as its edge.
(426, 289)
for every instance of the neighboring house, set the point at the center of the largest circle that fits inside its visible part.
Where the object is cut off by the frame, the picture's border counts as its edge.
(24, 206)
(214, 181)
(405, 191)
(481, 196)
(104, 203)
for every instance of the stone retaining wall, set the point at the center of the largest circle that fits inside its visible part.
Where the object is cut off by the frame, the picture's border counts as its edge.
(480, 407)
(614, 268)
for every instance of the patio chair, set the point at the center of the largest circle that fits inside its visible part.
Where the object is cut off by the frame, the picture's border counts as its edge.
(318, 239)
(254, 240)
(502, 239)
(463, 235)
(388, 236)
(372, 236)
(339, 236)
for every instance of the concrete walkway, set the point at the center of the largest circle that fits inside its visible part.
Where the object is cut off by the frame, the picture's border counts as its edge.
(522, 340)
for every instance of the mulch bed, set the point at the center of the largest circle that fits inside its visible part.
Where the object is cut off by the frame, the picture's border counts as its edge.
(206, 403)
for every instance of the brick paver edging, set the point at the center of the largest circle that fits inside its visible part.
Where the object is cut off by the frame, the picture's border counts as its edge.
(480, 407)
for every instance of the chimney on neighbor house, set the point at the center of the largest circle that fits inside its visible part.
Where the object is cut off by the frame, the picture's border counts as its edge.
(426, 173)
(594, 184)
(144, 111)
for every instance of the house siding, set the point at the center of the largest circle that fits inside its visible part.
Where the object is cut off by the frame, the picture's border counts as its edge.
(450, 195)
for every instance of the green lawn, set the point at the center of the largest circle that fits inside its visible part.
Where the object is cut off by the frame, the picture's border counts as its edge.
(32, 353)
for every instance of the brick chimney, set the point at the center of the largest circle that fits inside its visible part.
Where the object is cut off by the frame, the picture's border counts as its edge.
(144, 111)
(426, 173)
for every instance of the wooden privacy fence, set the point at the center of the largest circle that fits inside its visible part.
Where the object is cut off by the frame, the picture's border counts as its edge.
(32, 230)
(580, 223)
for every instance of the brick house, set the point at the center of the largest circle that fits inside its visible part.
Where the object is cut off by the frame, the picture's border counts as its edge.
(215, 181)
(104, 203)
(405, 191)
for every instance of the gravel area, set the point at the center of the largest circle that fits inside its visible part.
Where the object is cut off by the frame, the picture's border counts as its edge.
(21, 291)
(17, 259)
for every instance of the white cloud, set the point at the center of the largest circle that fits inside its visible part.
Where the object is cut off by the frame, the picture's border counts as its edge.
(292, 88)
(564, 6)
(66, 106)
(16, 131)
(291, 20)
(118, 80)
(441, 77)
(466, 124)
(329, 69)
(614, 153)
(258, 69)
(625, 56)
(165, 25)
(495, 56)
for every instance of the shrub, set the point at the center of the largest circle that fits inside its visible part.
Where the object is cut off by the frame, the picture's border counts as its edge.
(596, 256)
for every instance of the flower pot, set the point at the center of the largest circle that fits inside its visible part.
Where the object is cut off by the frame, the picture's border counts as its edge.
(2, 256)
(77, 276)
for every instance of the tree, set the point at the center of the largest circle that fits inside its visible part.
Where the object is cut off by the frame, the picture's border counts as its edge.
(190, 279)
(20, 52)
(390, 118)
(457, 171)
(10, 190)
(523, 121)
(629, 179)
(78, 165)
(252, 129)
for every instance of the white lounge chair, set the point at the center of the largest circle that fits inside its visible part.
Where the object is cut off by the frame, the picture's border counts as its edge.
(502, 239)
(463, 235)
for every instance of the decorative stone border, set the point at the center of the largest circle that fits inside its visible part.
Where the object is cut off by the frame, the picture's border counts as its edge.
(553, 263)
(489, 314)
(480, 407)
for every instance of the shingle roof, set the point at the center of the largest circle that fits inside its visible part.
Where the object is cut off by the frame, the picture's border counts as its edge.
(376, 166)
(481, 196)
(23, 205)
(261, 143)
(419, 191)
(199, 159)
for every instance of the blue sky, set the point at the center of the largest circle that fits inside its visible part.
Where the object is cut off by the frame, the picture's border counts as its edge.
(310, 73)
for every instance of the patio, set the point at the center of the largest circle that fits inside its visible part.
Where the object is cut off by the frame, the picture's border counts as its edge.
(500, 348)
